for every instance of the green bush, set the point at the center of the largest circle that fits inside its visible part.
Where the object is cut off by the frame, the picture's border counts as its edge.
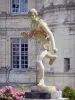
(69, 93)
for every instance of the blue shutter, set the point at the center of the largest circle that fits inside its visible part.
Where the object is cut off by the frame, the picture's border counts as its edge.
(24, 6)
(26, 1)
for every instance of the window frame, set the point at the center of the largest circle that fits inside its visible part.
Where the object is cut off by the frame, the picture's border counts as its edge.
(20, 64)
(18, 13)
(66, 65)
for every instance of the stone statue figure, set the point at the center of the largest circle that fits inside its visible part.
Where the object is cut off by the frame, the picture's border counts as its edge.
(43, 37)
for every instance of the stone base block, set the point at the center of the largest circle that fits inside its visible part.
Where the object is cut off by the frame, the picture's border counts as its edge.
(37, 95)
(56, 94)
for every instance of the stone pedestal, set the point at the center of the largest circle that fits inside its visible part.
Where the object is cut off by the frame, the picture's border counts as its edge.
(46, 92)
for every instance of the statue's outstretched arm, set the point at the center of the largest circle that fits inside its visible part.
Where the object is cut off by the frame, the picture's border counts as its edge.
(26, 36)
(45, 27)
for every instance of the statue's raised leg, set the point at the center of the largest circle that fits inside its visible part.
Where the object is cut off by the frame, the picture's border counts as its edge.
(41, 66)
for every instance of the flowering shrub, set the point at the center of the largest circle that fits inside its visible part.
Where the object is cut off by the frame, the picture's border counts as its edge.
(69, 92)
(10, 94)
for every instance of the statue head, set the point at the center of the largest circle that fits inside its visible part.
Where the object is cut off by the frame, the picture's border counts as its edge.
(33, 13)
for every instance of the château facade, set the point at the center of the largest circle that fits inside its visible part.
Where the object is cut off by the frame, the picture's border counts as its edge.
(18, 55)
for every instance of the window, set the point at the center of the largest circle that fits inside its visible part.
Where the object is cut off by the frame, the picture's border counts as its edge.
(19, 49)
(67, 64)
(19, 6)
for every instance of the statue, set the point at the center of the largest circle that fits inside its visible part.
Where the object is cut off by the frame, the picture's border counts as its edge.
(43, 37)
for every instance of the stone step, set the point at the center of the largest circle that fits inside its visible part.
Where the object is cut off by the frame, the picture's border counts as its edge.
(44, 96)
(48, 99)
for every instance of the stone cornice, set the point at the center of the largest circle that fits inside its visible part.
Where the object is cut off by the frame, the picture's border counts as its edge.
(14, 29)
(69, 23)
(5, 15)
(67, 6)
(52, 7)
(60, 74)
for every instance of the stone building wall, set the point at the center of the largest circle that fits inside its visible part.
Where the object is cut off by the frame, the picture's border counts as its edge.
(60, 16)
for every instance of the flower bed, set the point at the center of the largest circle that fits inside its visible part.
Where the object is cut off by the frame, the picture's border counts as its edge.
(10, 94)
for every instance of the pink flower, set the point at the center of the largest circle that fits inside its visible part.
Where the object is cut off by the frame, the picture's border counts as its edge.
(17, 93)
(20, 98)
(11, 94)
(21, 93)
(1, 91)
(17, 98)
(9, 89)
